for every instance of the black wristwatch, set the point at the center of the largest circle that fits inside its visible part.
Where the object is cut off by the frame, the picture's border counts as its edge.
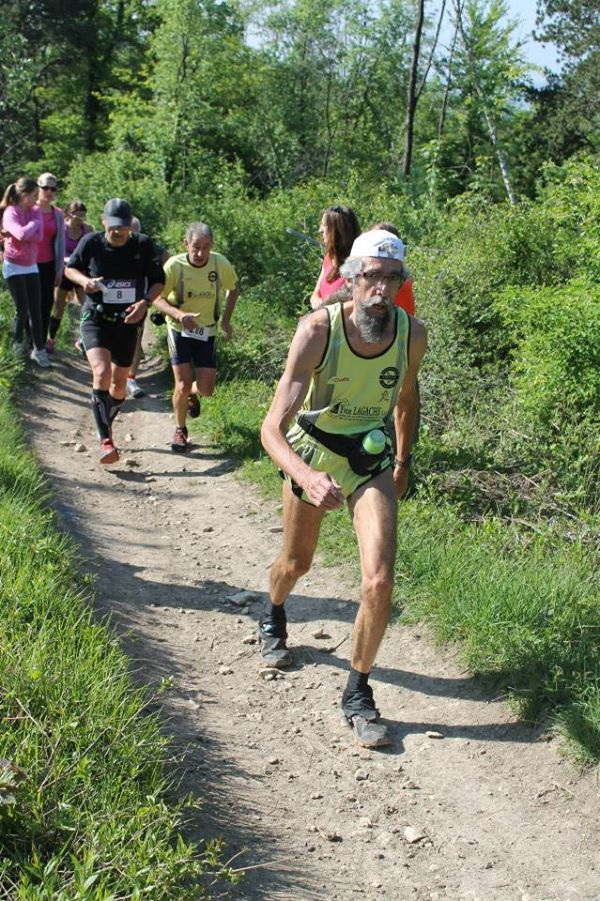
(403, 464)
(148, 301)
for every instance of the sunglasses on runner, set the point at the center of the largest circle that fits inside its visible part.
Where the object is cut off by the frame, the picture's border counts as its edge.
(375, 278)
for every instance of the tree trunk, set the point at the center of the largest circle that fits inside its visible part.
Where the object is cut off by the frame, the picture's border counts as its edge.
(411, 102)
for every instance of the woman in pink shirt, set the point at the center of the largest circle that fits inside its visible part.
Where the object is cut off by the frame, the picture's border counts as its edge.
(51, 249)
(22, 231)
(338, 229)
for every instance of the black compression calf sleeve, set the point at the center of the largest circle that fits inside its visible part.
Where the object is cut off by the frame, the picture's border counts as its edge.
(53, 327)
(114, 405)
(100, 409)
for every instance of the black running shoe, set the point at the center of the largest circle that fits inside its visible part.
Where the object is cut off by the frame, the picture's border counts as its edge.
(273, 648)
(361, 714)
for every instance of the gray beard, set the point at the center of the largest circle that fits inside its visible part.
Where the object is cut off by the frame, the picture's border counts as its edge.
(372, 328)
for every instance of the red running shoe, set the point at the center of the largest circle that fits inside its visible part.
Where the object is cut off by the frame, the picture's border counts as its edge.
(108, 452)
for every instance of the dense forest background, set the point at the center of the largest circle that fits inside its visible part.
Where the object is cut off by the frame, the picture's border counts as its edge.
(254, 116)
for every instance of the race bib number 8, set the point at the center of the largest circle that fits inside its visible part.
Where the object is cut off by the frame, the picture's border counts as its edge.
(118, 290)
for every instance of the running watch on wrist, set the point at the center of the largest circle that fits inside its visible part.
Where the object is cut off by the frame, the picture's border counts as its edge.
(404, 464)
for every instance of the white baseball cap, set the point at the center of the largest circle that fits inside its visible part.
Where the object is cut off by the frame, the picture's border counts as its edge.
(378, 243)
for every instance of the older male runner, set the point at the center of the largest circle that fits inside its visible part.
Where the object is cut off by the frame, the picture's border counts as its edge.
(349, 366)
(191, 301)
(121, 275)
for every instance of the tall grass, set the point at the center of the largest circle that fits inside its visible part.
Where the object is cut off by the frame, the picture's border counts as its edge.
(85, 808)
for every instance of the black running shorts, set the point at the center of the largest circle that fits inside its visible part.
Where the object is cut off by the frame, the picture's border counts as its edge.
(201, 354)
(118, 338)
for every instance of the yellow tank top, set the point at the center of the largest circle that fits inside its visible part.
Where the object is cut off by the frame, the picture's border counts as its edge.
(350, 394)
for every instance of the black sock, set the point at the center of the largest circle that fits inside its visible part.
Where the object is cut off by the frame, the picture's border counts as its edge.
(100, 409)
(357, 680)
(53, 326)
(114, 405)
(276, 612)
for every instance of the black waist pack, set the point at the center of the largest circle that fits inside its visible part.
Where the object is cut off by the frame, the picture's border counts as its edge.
(349, 446)
(100, 314)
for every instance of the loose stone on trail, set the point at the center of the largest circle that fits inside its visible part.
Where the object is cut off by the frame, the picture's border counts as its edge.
(268, 673)
(414, 835)
(320, 633)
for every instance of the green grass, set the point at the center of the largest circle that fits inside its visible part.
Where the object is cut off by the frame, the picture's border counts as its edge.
(85, 807)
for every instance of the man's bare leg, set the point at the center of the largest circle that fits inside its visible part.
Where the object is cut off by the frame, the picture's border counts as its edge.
(133, 389)
(301, 526)
(183, 378)
(373, 509)
(203, 386)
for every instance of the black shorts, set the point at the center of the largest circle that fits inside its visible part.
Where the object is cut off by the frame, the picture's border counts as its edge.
(201, 354)
(118, 338)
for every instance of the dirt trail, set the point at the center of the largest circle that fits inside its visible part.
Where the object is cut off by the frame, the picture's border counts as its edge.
(497, 813)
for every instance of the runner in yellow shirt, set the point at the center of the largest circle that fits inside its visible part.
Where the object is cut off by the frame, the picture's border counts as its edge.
(196, 283)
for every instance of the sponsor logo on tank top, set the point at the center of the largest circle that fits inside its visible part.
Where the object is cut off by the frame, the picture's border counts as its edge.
(389, 377)
(345, 411)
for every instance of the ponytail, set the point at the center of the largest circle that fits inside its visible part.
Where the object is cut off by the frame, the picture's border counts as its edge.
(10, 197)
(17, 190)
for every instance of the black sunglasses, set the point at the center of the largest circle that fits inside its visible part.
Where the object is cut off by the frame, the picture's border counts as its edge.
(48, 187)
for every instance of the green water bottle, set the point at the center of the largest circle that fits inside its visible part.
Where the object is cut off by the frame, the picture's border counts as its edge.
(373, 445)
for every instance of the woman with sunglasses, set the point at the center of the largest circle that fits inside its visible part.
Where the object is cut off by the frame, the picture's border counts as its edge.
(51, 249)
(75, 228)
(22, 231)
(338, 229)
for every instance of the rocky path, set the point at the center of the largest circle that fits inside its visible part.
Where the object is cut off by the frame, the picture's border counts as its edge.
(468, 804)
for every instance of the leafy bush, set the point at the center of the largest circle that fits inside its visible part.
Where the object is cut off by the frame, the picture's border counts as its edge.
(556, 363)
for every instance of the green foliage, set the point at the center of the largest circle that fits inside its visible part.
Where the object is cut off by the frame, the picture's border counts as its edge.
(556, 365)
(96, 177)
